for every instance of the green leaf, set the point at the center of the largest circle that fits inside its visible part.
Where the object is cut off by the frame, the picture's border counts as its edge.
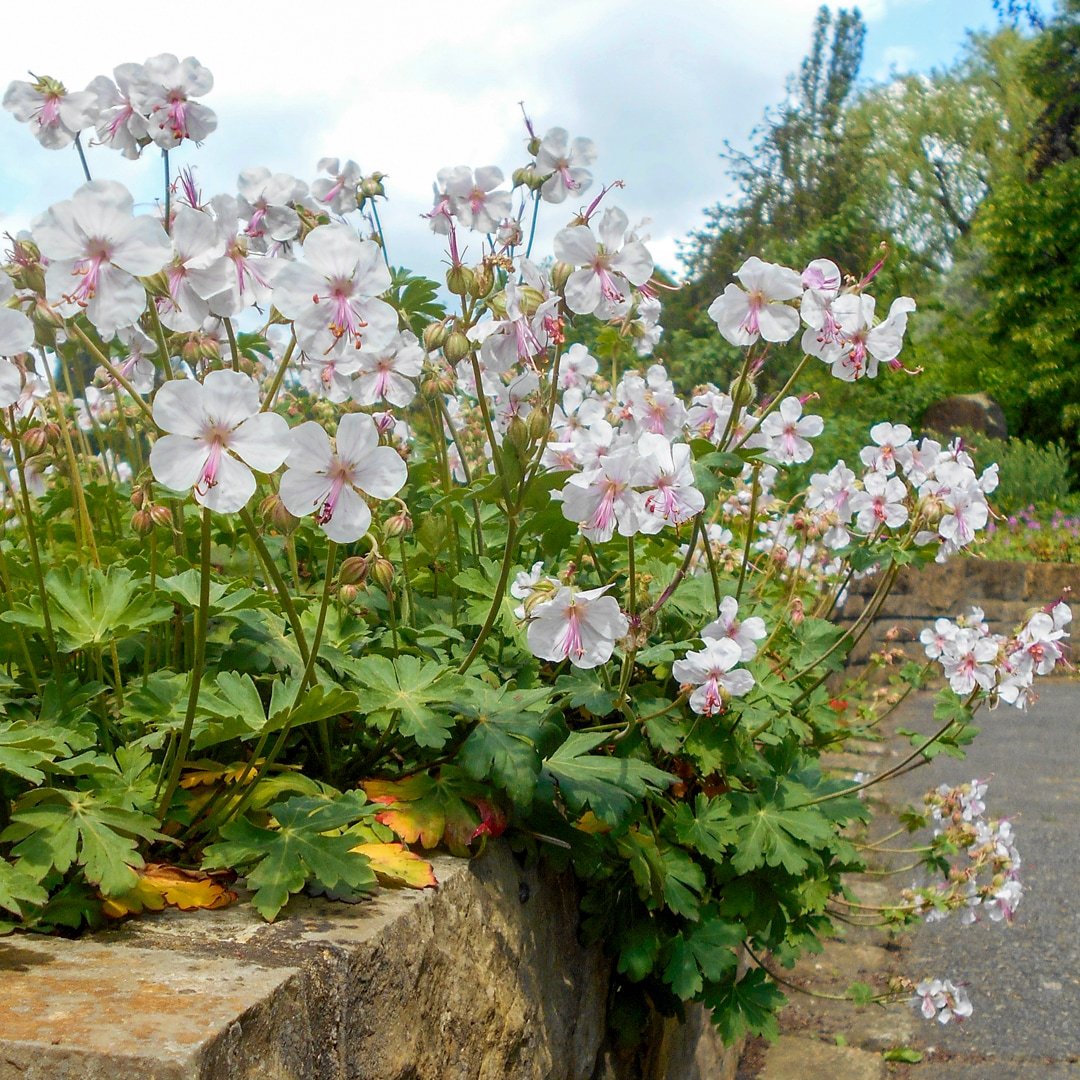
(25, 750)
(54, 828)
(91, 607)
(18, 888)
(585, 691)
(409, 687)
(279, 862)
(748, 1006)
(706, 827)
(771, 835)
(684, 882)
(502, 745)
(903, 1053)
(705, 953)
(184, 589)
(639, 948)
(861, 993)
(609, 786)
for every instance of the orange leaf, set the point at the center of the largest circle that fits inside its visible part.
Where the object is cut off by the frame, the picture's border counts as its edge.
(162, 885)
(394, 864)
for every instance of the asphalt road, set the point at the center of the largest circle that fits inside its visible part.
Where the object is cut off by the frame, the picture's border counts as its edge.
(1023, 980)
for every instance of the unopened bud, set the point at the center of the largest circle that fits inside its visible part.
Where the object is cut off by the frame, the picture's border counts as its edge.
(156, 284)
(456, 347)
(399, 524)
(459, 279)
(138, 497)
(44, 316)
(53, 433)
(372, 186)
(534, 145)
(560, 275)
(161, 516)
(743, 392)
(276, 515)
(35, 440)
(434, 335)
(142, 522)
(354, 570)
(383, 573)
(517, 434)
(538, 425)
(348, 593)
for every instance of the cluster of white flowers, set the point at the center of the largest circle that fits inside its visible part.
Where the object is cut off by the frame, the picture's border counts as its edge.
(1004, 667)
(940, 999)
(153, 102)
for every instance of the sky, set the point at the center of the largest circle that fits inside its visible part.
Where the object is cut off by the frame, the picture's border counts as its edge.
(409, 87)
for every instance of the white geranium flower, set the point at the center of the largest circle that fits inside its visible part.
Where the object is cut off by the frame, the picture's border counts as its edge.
(338, 192)
(760, 311)
(163, 95)
(332, 482)
(563, 162)
(744, 632)
(96, 252)
(579, 625)
(710, 671)
(55, 116)
(215, 432)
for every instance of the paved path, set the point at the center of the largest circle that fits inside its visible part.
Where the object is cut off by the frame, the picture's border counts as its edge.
(1024, 980)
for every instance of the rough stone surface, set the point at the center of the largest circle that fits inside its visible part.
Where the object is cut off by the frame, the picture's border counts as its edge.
(482, 979)
(808, 1058)
(967, 412)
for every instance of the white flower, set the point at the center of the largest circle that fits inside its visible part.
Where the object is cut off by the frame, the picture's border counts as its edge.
(710, 671)
(331, 483)
(564, 164)
(387, 374)
(16, 336)
(474, 201)
(784, 433)
(579, 625)
(339, 192)
(55, 116)
(609, 267)
(163, 95)
(216, 432)
(329, 295)
(604, 498)
(669, 480)
(745, 633)
(892, 447)
(939, 999)
(880, 503)
(96, 252)
(263, 201)
(119, 125)
(743, 317)
(198, 270)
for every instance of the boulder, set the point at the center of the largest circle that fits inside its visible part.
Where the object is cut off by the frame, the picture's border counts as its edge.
(970, 412)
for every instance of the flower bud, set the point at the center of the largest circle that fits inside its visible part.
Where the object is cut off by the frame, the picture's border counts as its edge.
(537, 424)
(156, 284)
(399, 524)
(162, 516)
(138, 497)
(459, 279)
(456, 347)
(371, 186)
(142, 522)
(560, 274)
(434, 336)
(383, 573)
(348, 593)
(35, 440)
(517, 435)
(743, 392)
(534, 145)
(44, 316)
(354, 570)
(275, 514)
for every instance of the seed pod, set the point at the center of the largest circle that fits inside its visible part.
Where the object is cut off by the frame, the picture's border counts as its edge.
(560, 274)
(348, 593)
(483, 281)
(743, 392)
(162, 516)
(434, 335)
(537, 424)
(35, 440)
(459, 279)
(399, 524)
(517, 434)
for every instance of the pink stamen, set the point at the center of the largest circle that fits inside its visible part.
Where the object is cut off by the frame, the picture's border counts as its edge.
(329, 196)
(89, 269)
(208, 476)
(569, 641)
(49, 113)
(604, 514)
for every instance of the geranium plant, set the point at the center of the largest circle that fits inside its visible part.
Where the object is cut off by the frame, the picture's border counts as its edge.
(311, 564)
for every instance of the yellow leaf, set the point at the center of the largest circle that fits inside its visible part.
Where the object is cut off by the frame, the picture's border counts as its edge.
(213, 773)
(394, 864)
(162, 885)
(590, 823)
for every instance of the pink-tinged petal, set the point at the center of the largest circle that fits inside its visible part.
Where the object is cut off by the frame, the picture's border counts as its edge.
(634, 263)
(382, 323)
(212, 280)
(16, 332)
(142, 248)
(231, 397)
(10, 384)
(575, 245)
(57, 234)
(178, 407)
(357, 437)
(399, 390)
(738, 683)
(729, 312)
(612, 229)
(333, 250)
(310, 448)
(234, 485)
(303, 492)
(583, 292)
(196, 238)
(262, 441)
(350, 520)
(778, 323)
(382, 473)
(119, 301)
(177, 461)
(488, 177)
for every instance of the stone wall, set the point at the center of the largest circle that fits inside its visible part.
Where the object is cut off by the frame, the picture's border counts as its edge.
(482, 979)
(1006, 591)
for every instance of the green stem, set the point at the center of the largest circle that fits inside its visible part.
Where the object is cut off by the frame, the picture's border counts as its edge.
(198, 664)
(82, 158)
(497, 599)
(232, 344)
(382, 235)
(755, 490)
(279, 376)
(159, 335)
